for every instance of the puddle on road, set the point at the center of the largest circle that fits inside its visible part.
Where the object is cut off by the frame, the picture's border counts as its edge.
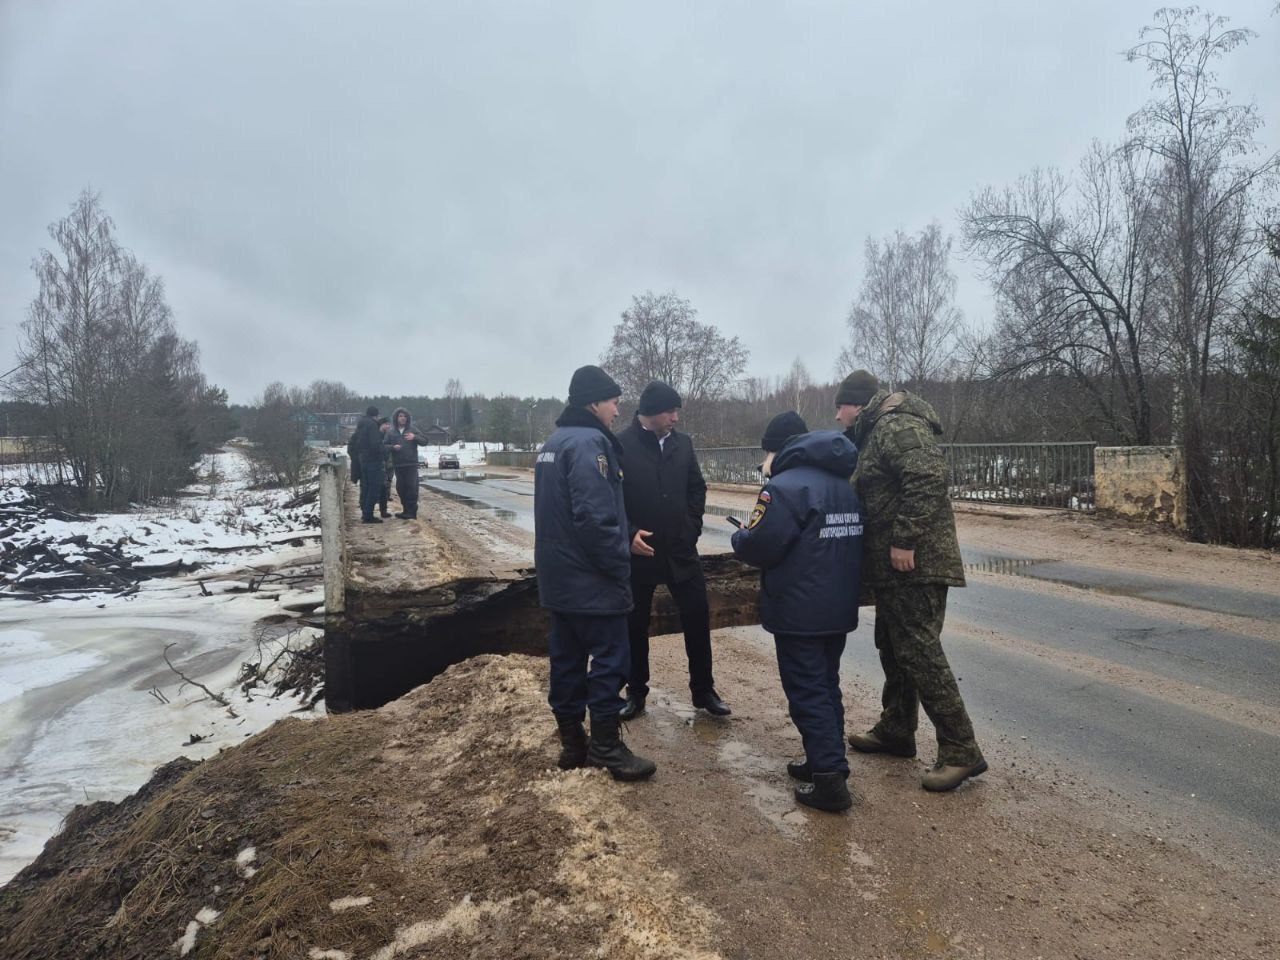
(776, 804)
(1009, 566)
(500, 512)
(1026, 567)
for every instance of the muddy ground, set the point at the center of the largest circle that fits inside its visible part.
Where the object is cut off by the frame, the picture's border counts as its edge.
(443, 810)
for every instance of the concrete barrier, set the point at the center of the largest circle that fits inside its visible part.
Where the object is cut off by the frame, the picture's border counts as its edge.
(1142, 483)
(334, 473)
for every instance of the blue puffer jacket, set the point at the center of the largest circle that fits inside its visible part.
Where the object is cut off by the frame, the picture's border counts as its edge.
(581, 546)
(805, 534)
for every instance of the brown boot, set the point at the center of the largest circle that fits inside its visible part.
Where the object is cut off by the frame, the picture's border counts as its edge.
(943, 778)
(870, 742)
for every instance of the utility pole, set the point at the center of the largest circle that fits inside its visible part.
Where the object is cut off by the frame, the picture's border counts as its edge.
(532, 405)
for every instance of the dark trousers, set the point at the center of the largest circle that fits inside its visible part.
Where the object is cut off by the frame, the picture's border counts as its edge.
(386, 490)
(370, 487)
(407, 488)
(810, 671)
(916, 672)
(589, 663)
(690, 597)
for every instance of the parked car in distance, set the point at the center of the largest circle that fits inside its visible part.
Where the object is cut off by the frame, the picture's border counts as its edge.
(449, 461)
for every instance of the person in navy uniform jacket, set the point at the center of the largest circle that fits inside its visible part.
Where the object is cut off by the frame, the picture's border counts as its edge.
(805, 535)
(582, 551)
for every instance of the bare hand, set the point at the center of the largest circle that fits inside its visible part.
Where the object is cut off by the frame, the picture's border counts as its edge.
(395, 446)
(638, 545)
(904, 561)
(408, 436)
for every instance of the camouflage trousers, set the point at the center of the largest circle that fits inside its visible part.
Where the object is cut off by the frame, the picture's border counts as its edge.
(916, 672)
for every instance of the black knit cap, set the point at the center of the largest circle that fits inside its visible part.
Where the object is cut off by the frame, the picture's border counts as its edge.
(780, 429)
(590, 384)
(857, 388)
(658, 397)
(371, 411)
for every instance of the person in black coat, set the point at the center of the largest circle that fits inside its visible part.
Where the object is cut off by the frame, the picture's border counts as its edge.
(403, 442)
(666, 496)
(365, 448)
(582, 555)
(805, 535)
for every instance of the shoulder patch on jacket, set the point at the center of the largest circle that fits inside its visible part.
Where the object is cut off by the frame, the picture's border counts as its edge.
(757, 514)
(907, 440)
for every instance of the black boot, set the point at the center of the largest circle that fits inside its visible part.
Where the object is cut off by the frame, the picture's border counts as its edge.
(829, 792)
(632, 708)
(573, 744)
(608, 751)
(799, 770)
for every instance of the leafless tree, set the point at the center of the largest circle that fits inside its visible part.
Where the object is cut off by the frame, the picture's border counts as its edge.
(1209, 166)
(453, 391)
(660, 338)
(1071, 262)
(119, 389)
(905, 322)
(329, 396)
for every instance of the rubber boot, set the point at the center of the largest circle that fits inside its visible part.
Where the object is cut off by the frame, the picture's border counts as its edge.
(608, 751)
(829, 792)
(573, 744)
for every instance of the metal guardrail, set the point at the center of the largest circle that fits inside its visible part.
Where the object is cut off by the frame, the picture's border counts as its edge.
(1028, 474)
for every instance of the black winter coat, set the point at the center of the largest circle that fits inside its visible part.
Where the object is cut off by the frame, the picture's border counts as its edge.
(366, 442)
(805, 534)
(581, 547)
(408, 452)
(666, 494)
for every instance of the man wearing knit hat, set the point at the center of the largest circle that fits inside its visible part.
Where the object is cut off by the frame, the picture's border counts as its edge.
(582, 550)
(666, 496)
(912, 558)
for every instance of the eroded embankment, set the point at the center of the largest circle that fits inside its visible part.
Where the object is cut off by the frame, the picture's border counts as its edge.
(432, 827)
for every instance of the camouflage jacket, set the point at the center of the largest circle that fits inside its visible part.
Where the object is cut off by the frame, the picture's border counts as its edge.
(902, 479)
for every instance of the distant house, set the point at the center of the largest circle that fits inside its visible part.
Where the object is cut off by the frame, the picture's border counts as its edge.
(323, 429)
(437, 436)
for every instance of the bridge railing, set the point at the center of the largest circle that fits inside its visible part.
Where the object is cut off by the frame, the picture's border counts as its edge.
(1029, 474)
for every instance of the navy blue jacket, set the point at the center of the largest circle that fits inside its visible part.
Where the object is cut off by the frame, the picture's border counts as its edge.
(805, 534)
(582, 549)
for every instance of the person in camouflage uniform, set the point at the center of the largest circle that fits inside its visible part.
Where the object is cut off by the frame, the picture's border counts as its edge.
(911, 559)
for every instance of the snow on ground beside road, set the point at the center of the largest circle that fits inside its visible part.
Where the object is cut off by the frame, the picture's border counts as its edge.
(205, 525)
(77, 720)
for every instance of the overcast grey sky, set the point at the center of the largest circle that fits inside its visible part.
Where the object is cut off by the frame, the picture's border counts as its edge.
(391, 194)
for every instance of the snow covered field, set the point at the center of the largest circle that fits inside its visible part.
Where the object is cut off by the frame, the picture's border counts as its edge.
(78, 720)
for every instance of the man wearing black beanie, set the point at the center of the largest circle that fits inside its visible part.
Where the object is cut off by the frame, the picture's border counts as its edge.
(582, 554)
(365, 448)
(666, 496)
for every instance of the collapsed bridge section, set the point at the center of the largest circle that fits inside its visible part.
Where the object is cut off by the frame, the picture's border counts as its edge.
(405, 600)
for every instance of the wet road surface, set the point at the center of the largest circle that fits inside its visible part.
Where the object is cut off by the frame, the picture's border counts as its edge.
(1101, 692)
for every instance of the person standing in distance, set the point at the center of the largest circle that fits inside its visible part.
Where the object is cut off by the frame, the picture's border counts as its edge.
(582, 552)
(912, 558)
(666, 496)
(805, 535)
(366, 449)
(403, 441)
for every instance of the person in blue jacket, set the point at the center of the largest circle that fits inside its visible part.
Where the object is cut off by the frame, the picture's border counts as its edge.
(582, 551)
(805, 535)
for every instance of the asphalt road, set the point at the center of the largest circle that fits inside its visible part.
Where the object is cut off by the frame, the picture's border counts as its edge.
(1049, 680)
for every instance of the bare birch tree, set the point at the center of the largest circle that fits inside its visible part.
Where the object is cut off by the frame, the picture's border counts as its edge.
(905, 322)
(660, 338)
(1210, 163)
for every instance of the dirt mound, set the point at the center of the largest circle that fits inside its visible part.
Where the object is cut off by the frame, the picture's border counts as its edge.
(433, 827)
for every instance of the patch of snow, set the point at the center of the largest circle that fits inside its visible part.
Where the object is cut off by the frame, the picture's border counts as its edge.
(244, 862)
(346, 903)
(187, 942)
(317, 954)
